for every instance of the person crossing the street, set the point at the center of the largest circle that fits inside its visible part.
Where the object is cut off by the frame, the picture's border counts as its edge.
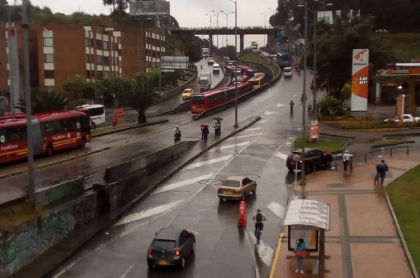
(347, 160)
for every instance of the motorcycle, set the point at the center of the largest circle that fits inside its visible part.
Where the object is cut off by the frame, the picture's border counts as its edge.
(177, 138)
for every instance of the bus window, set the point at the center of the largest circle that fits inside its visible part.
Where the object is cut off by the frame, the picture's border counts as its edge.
(57, 127)
(47, 128)
(84, 125)
(12, 134)
(96, 111)
(198, 99)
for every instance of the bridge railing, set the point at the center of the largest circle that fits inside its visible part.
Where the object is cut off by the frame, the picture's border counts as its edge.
(223, 28)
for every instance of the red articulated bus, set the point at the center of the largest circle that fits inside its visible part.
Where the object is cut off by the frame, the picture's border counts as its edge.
(52, 132)
(210, 99)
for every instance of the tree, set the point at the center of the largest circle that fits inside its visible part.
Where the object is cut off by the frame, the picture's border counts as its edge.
(140, 94)
(118, 6)
(44, 102)
(193, 51)
(335, 44)
(231, 53)
(78, 88)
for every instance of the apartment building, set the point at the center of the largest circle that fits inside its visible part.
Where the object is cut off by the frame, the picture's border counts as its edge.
(60, 51)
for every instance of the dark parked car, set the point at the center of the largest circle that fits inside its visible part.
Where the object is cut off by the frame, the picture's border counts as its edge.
(313, 157)
(170, 247)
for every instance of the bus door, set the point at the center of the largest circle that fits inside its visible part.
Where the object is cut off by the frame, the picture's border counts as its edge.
(37, 138)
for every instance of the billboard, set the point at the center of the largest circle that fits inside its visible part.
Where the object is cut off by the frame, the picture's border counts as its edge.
(150, 8)
(308, 234)
(172, 63)
(359, 82)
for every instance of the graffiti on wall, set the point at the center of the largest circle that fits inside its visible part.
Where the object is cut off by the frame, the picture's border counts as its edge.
(32, 240)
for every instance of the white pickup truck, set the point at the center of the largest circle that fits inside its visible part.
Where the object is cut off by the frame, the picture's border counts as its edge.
(204, 82)
(407, 118)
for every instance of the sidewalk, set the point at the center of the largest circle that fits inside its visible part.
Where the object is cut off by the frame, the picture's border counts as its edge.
(363, 240)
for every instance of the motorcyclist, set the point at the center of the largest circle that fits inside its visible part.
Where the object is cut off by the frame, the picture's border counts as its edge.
(259, 218)
(291, 106)
(346, 159)
(177, 135)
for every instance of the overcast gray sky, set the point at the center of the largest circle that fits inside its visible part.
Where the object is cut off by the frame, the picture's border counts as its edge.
(189, 13)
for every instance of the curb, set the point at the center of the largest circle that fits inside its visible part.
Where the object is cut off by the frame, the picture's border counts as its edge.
(117, 214)
(276, 256)
(335, 135)
(401, 236)
(391, 145)
(130, 128)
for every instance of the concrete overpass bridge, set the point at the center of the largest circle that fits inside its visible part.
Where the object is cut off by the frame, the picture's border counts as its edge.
(242, 31)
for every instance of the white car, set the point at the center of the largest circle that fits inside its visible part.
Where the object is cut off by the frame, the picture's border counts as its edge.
(407, 118)
(288, 72)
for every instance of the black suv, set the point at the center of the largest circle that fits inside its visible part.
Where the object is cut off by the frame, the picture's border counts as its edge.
(313, 158)
(170, 247)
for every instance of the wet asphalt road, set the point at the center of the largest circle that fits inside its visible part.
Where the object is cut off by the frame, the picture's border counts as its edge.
(188, 200)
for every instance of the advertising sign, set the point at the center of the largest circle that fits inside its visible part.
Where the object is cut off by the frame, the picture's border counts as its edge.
(172, 63)
(314, 129)
(359, 83)
(152, 8)
(326, 16)
(308, 234)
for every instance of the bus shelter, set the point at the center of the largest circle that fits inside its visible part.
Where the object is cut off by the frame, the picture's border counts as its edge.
(308, 219)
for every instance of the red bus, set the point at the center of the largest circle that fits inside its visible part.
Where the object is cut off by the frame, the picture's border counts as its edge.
(51, 132)
(210, 99)
(248, 71)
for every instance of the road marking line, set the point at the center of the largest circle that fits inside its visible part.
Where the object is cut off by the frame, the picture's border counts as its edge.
(245, 136)
(67, 268)
(257, 270)
(147, 213)
(208, 162)
(253, 129)
(265, 252)
(277, 209)
(261, 122)
(128, 270)
(276, 256)
(231, 146)
(181, 184)
(269, 113)
(279, 105)
(281, 155)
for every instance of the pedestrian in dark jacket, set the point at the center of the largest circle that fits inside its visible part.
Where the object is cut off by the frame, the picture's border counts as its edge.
(381, 170)
(206, 132)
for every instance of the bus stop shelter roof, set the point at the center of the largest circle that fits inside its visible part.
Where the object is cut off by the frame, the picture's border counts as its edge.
(308, 213)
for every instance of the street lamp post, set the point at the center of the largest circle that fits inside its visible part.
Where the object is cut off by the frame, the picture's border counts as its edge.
(217, 28)
(265, 24)
(29, 134)
(236, 64)
(210, 41)
(303, 177)
(227, 26)
(9, 40)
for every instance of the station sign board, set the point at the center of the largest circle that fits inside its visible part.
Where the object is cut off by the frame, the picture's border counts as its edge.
(150, 8)
(360, 77)
(172, 63)
(309, 234)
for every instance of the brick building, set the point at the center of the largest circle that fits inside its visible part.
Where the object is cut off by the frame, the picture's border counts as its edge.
(60, 51)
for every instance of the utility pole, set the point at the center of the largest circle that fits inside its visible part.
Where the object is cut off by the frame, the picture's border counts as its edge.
(303, 177)
(236, 64)
(29, 134)
(9, 40)
(210, 36)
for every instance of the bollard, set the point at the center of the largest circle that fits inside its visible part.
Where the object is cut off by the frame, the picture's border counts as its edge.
(365, 158)
(336, 167)
(242, 217)
(408, 150)
(390, 152)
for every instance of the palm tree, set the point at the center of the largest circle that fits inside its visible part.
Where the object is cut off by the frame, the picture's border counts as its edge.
(44, 102)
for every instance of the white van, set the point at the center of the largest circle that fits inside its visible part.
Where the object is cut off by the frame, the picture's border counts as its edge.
(216, 68)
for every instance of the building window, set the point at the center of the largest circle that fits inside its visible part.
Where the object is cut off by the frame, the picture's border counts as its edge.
(89, 42)
(115, 46)
(99, 44)
(106, 45)
(106, 61)
(49, 89)
(89, 58)
(119, 39)
(100, 75)
(106, 74)
(49, 74)
(48, 42)
(99, 60)
(48, 58)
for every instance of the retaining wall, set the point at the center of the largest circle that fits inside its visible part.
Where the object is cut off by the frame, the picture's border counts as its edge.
(67, 207)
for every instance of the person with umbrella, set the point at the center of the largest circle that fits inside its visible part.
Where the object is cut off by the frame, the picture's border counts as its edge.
(218, 126)
(204, 131)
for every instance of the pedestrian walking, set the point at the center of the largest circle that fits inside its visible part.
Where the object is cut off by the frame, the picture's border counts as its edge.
(205, 132)
(300, 254)
(217, 128)
(309, 109)
(346, 160)
(291, 106)
(381, 170)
